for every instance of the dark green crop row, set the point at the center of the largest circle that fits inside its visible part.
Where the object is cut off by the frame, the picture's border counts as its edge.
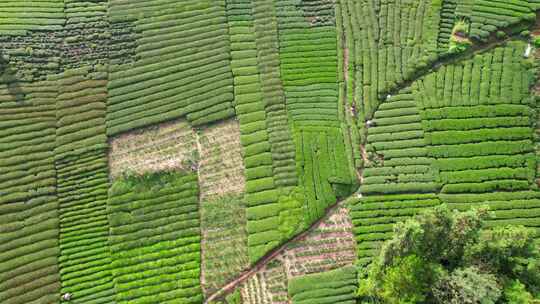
(334, 286)
(476, 123)
(484, 162)
(182, 72)
(479, 135)
(488, 16)
(497, 185)
(482, 149)
(494, 205)
(480, 111)
(490, 174)
(29, 246)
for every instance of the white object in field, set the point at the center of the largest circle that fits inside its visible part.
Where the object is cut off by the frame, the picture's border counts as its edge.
(388, 96)
(66, 296)
(359, 195)
(370, 123)
(528, 51)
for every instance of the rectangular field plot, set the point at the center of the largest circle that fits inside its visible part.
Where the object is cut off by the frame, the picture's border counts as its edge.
(29, 224)
(221, 167)
(335, 286)
(162, 147)
(323, 168)
(224, 241)
(155, 238)
(182, 67)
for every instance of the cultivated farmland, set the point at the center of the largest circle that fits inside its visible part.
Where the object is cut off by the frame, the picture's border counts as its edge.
(252, 151)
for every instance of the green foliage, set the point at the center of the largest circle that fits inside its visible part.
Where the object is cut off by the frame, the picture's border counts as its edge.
(501, 35)
(155, 237)
(234, 298)
(224, 243)
(467, 286)
(510, 252)
(459, 42)
(292, 218)
(334, 286)
(516, 293)
(407, 281)
(536, 41)
(525, 33)
(444, 256)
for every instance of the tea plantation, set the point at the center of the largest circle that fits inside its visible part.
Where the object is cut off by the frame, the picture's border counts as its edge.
(251, 151)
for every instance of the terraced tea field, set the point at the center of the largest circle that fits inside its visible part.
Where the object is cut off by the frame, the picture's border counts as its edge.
(257, 152)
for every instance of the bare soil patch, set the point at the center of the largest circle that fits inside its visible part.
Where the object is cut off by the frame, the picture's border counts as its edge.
(166, 146)
(221, 168)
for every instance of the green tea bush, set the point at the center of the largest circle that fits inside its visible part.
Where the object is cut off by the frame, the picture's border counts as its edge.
(155, 228)
(334, 286)
(467, 286)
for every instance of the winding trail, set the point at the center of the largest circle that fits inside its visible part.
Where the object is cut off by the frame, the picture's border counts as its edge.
(478, 47)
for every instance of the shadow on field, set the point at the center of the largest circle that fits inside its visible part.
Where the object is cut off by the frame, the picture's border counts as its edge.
(7, 76)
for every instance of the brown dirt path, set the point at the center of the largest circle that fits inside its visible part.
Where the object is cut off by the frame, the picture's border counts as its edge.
(272, 254)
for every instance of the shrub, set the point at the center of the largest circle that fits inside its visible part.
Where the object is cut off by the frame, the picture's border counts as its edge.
(516, 293)
(525, 33)
(234, 298)
(501, 35)
(537, 41)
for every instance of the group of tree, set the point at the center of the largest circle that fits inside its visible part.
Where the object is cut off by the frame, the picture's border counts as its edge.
(451, 257)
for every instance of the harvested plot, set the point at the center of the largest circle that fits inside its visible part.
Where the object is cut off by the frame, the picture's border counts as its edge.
(221, 169)
(164, 147)
(155, 238)
(256, 291)
(329, 246)
(224, 241)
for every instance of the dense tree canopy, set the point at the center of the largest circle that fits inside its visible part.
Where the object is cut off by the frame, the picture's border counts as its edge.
(446, 256)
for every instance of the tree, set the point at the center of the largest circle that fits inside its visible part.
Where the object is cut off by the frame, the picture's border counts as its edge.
(446, 256)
